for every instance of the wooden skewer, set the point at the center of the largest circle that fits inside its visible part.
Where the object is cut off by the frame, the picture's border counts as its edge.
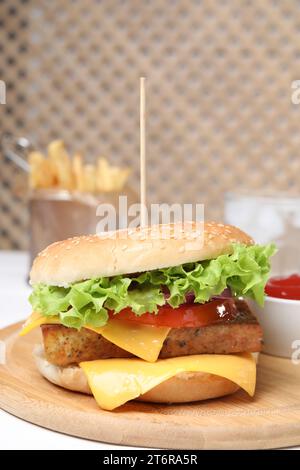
(143, 214)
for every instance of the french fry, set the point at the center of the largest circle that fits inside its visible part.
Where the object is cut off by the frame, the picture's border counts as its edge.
(114, 178)
(41, 171)
(59, 171)
(78, 172)
(35, 159)
(110, 178)
(123, 174)
(89, 178)
(61, 161)
(103, 179)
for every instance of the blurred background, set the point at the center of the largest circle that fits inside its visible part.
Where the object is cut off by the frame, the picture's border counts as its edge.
(219, 110)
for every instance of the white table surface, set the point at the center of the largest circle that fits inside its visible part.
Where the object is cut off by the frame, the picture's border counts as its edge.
(19, 434)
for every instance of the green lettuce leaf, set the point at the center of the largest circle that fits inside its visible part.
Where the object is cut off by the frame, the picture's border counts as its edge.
(245, 271)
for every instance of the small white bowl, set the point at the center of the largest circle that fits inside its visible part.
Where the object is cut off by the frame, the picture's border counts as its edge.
(280, 320)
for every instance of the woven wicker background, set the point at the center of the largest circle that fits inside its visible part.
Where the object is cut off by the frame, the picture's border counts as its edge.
(219, 105)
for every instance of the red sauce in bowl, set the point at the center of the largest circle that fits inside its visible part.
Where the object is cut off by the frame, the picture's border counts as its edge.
(287, 287)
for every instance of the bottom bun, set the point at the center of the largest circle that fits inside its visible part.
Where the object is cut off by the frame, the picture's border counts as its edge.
(71, 377)
(184, 387)
(190, 386)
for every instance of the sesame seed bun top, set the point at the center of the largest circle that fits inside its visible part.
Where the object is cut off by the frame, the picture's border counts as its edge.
(133, 250)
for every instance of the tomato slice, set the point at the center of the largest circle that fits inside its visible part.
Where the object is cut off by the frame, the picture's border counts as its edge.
(185, 316)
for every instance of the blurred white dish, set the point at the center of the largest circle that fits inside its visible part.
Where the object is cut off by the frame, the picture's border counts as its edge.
(280, 320)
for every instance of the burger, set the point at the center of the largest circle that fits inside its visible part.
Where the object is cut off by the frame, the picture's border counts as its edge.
(131, 316)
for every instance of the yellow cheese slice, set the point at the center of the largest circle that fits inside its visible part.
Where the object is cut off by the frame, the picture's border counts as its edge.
(115, 381)
(35, 320)
(144, 341)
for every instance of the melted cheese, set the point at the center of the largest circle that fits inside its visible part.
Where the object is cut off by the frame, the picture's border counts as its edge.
(35, 320)
(144, 341)
(115, 381)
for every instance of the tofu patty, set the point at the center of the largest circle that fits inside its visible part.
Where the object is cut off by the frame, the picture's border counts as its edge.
(65, 346)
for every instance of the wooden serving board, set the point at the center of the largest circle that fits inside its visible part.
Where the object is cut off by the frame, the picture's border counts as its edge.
(270, 420)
